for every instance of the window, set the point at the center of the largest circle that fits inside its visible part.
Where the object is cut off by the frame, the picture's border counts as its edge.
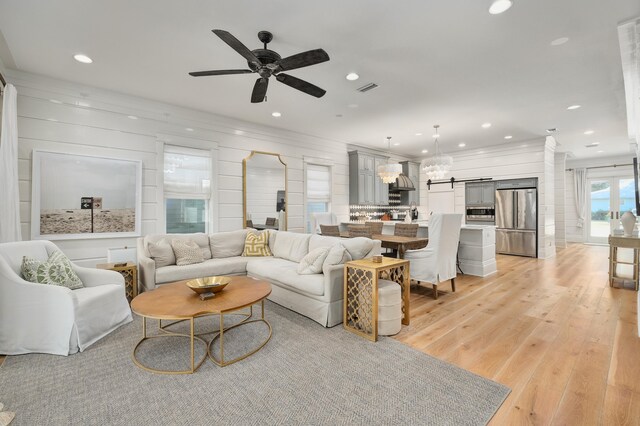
(187, 189)
(318, 191)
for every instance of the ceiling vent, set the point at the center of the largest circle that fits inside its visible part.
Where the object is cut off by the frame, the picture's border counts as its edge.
(367, 87)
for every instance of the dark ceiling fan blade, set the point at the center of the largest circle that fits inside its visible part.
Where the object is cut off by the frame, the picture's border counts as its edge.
(301, 85)
(259, 90)
(304, 59)
(218, 72)
(237, 45)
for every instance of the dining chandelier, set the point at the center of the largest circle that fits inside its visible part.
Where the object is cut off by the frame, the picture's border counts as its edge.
(389, 172)
(439, 164)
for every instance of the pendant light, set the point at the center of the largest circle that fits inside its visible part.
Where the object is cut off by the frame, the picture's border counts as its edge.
(389, 172)
(438, 165)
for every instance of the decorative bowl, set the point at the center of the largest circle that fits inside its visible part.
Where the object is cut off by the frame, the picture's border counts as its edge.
(208, 284)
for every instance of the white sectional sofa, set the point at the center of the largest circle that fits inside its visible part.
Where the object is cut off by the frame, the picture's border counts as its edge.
(317, 296)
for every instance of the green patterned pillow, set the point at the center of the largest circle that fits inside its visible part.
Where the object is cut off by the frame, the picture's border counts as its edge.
(57, 270)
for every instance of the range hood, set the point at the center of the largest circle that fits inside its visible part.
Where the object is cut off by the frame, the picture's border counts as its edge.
(402, 183)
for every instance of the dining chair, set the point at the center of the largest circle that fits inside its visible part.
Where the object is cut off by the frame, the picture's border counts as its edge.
(406, 230)
(436, 262)
(271, 221)
(249, 223)
(376, 227)
(359, 231)
(318, 219)
(330, 230)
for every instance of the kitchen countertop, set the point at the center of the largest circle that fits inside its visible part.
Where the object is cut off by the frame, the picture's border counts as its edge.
(421, 224)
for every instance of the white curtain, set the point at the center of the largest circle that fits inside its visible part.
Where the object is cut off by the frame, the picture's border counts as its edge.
(580, 187)
(10, 205)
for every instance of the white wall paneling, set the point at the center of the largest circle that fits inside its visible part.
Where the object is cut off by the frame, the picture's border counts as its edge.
(560, 198)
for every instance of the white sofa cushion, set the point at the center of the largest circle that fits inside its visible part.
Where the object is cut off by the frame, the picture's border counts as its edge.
(283, 272)
(227, 266)
(357, 247)
(317, 241)
(291, 246)
(162, 253)
(337, 255)
(227, 244)
(312, 262)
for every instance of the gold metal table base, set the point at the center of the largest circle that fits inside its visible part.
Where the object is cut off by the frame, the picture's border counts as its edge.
(197, 336)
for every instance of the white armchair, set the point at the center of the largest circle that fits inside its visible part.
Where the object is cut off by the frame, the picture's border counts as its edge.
(437, 261)
(53, 319)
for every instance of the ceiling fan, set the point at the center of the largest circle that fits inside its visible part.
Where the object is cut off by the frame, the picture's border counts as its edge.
(266, 63)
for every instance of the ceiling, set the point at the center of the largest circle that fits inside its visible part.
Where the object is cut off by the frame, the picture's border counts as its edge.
(447, 62)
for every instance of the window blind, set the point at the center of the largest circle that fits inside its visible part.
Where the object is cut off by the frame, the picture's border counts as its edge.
(318, 183)
(187, 173)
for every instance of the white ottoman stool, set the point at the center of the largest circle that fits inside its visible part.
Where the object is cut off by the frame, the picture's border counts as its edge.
(389, 308)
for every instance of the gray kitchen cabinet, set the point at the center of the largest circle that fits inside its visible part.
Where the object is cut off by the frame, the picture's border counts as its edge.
(412, 171)
(480, 193)
(365, 186)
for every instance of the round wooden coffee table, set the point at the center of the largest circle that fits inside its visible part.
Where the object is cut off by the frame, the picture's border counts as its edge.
(176, 301)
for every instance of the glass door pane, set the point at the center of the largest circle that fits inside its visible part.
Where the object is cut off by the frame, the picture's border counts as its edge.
(626, 195)
(599, 221)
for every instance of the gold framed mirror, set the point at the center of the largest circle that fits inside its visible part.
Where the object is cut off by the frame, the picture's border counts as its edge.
(264, 191)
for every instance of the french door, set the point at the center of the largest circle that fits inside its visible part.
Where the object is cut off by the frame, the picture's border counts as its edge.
(608, 199)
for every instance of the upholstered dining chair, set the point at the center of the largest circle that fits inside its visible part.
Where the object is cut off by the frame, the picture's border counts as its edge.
(330, 230)
(406, 230)
(359, 231)
(376, 227)
(53, 319)
(271, 221)
(436, 262)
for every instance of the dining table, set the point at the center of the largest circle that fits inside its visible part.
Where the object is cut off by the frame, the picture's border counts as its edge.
(396, 242)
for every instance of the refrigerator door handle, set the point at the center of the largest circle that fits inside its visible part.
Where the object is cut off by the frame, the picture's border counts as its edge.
(516, 216)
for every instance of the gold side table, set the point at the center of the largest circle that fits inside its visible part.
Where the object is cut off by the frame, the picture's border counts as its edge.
(360, 312)
(130, 274)
(616, 242)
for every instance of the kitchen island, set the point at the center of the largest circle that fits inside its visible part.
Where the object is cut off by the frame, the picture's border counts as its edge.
(477, 250)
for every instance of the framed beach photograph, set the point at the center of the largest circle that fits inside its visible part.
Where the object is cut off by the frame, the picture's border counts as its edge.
(80, 196)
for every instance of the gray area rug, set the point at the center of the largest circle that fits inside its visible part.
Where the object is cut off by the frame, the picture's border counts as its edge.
(306, 374)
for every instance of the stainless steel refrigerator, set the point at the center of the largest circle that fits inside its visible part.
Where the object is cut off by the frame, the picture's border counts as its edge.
(517, 221)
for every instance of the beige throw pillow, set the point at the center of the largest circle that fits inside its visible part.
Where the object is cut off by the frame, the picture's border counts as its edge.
(337, 255)
(312, 262)
(162, 253)
(187, 252)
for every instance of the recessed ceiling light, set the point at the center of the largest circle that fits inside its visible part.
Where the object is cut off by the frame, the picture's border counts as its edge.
(188, 129)
(572, 107)
(500, 6)
(589, 132)
(486, 125)
(462, 145)
(82, 58)
(424, 151)
(276, 114)
(418, 134)
(352, 76)
(132, 117)
(396, 144)
(508, 137)
(601, 151)
(559, 41)
(55, 101)
(524, 145)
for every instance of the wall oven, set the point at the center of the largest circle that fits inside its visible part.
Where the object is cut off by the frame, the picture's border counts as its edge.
(481, 215)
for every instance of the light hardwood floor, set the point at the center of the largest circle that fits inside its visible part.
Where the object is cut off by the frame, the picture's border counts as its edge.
(552, 330)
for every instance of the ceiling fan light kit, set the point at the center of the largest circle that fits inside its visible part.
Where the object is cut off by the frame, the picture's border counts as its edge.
(438, 165)
(389, 172)
(267, 63)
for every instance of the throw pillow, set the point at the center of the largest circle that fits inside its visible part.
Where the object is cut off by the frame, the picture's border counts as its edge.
(337, 255)
(312, 262)
(257, 244)
(162, 253)
(187, 252)
(57, 270)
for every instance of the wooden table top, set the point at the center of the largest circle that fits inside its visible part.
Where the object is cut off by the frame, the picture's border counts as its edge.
(387, 262)
(178, 301)
(397, 239)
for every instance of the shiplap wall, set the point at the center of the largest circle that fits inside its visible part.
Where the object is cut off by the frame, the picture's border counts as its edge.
(560, 198)
(579, 235)
(504, 161)
(61, 116)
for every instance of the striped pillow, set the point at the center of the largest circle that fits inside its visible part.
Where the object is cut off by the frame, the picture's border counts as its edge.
(257, 244)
